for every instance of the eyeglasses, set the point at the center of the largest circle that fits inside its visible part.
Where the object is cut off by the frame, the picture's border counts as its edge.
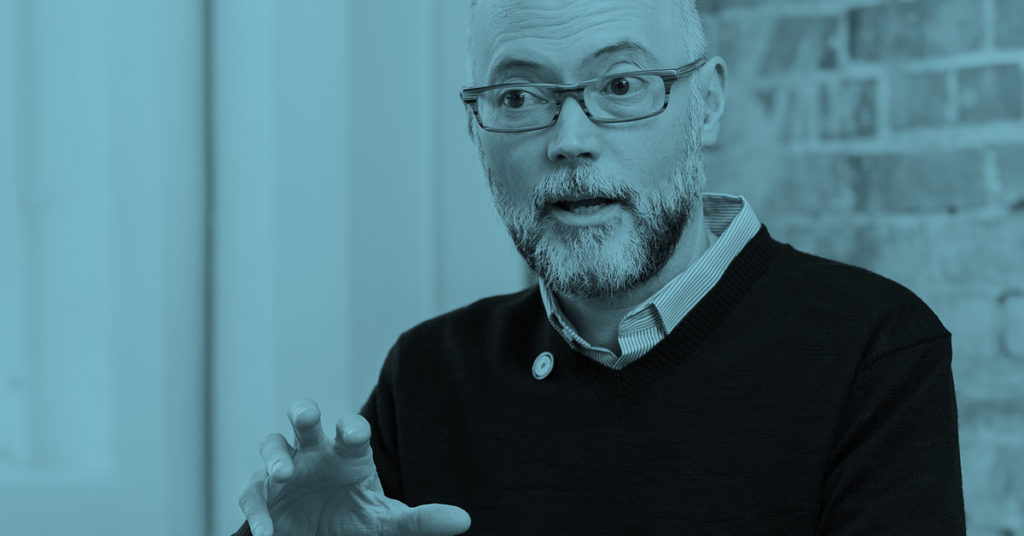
(614, 98)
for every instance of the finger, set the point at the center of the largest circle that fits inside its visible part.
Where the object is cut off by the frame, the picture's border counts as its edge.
(352, 437)
(433, 520)
(305, 418)
(254, 505)
(277, 456)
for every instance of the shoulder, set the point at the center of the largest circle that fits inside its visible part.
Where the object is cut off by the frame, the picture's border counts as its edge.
(484, 314)
(851, 294)
(852, 285)
(485, 323)
(469, 341)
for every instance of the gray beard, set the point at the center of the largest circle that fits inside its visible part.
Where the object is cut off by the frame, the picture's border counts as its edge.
(588, 262)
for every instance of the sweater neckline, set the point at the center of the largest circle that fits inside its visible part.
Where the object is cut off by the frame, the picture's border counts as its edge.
(623, 388)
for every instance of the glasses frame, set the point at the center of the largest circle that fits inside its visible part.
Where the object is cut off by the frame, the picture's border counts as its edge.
(471, 95)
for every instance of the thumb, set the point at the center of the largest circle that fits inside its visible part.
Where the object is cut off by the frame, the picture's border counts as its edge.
(433, 520)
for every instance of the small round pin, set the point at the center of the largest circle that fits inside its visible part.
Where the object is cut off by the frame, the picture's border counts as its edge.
(542, 365)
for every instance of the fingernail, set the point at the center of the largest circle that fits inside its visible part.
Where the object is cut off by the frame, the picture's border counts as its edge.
(274, 467)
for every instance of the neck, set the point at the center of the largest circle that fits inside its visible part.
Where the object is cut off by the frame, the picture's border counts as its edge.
(597, 319)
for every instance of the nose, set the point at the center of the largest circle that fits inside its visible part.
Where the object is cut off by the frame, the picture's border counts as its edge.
(573, 136)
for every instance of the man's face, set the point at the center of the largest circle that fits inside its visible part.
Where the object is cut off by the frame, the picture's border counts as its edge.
(595, 210)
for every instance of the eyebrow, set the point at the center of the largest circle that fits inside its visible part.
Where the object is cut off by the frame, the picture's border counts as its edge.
(517, 64)
(630, 48)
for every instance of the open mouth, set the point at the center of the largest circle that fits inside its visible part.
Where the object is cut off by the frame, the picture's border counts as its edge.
(584, 206)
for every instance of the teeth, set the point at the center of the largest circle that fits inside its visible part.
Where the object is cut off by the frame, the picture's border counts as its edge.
(587, 209)
(594, 201)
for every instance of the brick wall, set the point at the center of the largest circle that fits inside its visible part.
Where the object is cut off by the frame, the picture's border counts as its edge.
(890, 135)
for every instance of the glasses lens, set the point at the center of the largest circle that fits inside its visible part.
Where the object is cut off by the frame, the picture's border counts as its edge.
(625, 97)
(516, 107)
(612, 98)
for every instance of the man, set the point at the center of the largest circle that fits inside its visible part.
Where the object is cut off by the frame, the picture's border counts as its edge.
(676, 370)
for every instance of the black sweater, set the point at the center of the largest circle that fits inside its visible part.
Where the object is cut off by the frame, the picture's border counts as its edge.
(801, 396)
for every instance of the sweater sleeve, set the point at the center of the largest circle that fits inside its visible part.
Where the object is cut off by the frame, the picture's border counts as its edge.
(895, 464)
(379, 410)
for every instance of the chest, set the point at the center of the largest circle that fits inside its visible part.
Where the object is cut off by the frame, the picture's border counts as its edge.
(716, 455)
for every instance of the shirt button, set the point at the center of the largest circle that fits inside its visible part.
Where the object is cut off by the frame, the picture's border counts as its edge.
(542, 365)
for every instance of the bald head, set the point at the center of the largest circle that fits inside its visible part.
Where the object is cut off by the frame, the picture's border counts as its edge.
(677, 17)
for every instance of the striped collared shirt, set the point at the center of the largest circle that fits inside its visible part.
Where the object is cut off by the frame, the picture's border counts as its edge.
(732, 222)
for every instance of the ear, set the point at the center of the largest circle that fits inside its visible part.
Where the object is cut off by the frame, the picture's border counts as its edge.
(713, 76)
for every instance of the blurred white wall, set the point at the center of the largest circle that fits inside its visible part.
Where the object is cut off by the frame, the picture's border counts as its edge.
(101, 269)
(197, 227)
(349, 207)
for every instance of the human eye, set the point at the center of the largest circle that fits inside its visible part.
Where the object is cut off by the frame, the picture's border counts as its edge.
(518, 98)
(623, 86)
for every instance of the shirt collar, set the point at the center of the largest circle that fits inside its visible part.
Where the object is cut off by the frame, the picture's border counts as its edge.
(731, 221)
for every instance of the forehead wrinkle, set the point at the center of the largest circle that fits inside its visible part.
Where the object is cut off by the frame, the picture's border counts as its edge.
(625, 49)
(534, 31)
(507, 65)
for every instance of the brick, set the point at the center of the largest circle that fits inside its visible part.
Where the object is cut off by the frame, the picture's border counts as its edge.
(1007, 485)
(954, 253)
(766, 98)
(1009, 23)
(977, 252)
(827, 239)
(808, 185)
(799, 118)
(1010, 167)
(746, 122)
(990, 397)
(836, 184)
(920, 182)
(730, 170)
(1012, 332)
(891, 251)
(919, 100)
(990, 93)
(975, 461)
(991, 410)
(993, 479)
(899, 253)
(931, 258)
(915, 29)
(718, 6)
(848, 109)
(740, 42)
(974, 320)
(801, 44)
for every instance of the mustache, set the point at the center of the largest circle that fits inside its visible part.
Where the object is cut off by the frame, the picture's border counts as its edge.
(581, 182)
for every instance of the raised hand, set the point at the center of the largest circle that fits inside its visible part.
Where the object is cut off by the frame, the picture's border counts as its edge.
(330, 488)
